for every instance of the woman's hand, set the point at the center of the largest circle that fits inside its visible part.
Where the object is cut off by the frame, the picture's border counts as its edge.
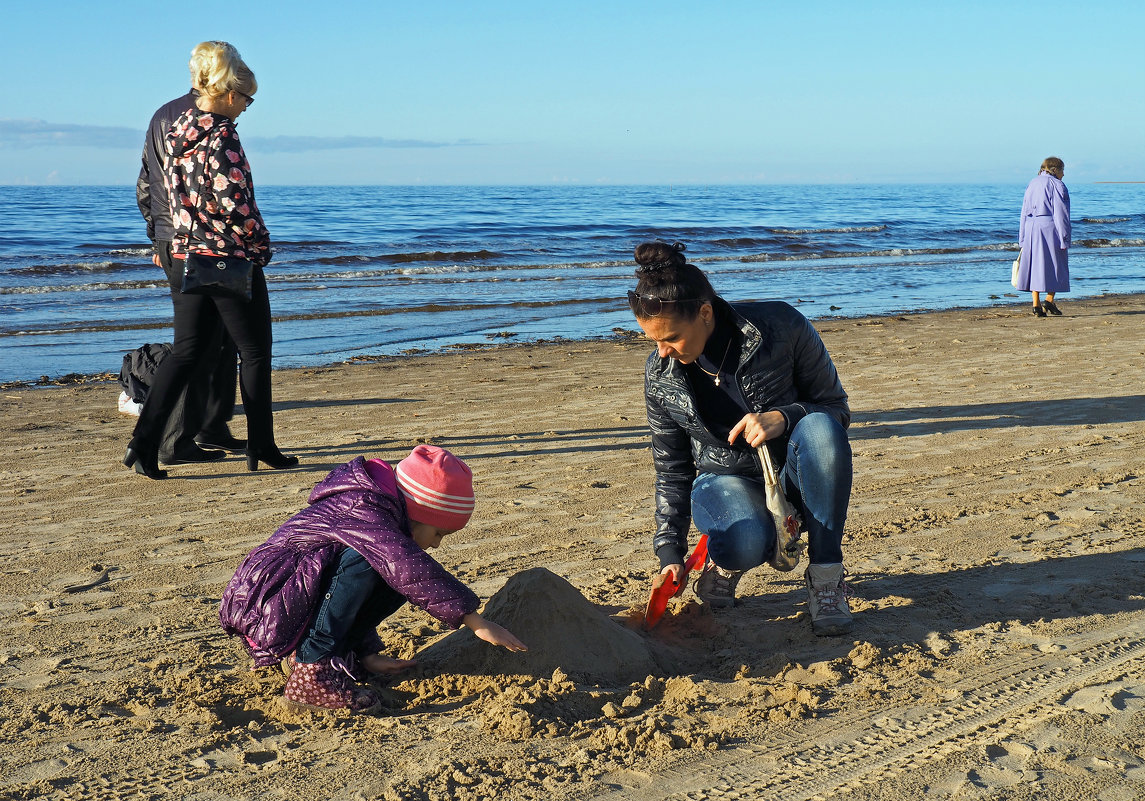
(669, 573)
(492, 633)
(758, 428)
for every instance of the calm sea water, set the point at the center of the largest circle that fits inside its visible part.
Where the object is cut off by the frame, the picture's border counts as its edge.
(362, 271)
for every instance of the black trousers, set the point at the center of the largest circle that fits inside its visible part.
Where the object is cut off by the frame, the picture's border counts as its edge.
(196, 318)
(207, 403)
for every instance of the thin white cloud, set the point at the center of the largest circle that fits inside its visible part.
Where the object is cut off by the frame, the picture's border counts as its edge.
(38, 133)
(299, 144)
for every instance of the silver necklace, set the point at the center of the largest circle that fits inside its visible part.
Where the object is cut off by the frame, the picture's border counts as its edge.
(720, 369)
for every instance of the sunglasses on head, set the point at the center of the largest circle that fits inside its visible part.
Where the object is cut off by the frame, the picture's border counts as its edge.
(650, 305)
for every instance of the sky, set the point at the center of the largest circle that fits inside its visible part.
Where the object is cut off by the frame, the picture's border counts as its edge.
(512, 92)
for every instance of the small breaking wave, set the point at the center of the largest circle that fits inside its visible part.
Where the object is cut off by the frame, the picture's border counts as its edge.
(1104, 220)
(851, 229)
(1110, 243)
(95, 286)
(868, 254)
(454, 257)
(744, 242)
(438, 255)
(74, 268)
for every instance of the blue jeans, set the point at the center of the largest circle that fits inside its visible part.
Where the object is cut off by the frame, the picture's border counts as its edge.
(732, 510)
(355, 601)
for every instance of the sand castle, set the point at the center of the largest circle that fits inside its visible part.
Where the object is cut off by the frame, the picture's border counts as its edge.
(563, 630)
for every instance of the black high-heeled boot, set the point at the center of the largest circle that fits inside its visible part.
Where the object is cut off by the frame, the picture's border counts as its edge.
(272, 456)
(144, 458)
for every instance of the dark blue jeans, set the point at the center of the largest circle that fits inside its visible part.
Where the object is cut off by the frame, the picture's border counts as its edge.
(732, 510)
(355, 601)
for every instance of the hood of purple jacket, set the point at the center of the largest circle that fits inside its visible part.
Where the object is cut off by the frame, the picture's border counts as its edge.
(358, 475)
(273, 596)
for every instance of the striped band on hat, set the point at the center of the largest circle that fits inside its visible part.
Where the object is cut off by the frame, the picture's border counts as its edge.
(429, 497)
(437, 487)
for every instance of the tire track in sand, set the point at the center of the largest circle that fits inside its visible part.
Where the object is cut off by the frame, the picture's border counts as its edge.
(818, 758)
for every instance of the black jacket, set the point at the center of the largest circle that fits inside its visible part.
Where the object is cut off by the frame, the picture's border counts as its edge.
(783, 365)
(150, 191)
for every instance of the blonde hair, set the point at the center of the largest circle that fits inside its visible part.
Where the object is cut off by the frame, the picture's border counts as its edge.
(1054, 166)
(217, 68)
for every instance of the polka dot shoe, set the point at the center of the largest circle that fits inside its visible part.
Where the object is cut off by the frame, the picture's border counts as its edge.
(321, 685)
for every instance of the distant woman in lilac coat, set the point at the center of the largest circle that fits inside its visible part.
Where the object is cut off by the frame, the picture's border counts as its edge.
(318, 588)
(1044, 236)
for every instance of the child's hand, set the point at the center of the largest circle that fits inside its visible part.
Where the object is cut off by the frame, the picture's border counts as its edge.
(386, 665)
(492, 633)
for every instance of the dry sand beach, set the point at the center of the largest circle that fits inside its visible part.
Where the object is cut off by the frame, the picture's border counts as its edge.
(996, 549)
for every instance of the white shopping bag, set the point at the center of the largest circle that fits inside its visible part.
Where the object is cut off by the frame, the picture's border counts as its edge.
(127, 405)
(787, 520)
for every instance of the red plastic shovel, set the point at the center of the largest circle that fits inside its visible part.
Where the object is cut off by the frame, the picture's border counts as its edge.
(664, 588)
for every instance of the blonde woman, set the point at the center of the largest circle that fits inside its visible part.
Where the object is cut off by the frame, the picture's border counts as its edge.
(206, 406)
(1044, 236)
(213, 212)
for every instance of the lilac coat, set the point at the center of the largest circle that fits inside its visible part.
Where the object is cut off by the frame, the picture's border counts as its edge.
(1044, 235)
(277, 589)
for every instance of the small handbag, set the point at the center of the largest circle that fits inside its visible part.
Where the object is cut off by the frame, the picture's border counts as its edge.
(1015, 269)
(787, 520)
(219, 276)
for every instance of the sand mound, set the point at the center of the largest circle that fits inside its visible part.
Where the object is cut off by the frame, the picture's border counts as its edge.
(562, 629)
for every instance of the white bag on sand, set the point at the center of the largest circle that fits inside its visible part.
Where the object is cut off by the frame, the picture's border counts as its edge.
(128, 406)
(787, 520)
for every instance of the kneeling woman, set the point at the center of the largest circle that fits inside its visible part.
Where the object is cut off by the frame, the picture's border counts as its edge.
(725, 379)
(318, 588)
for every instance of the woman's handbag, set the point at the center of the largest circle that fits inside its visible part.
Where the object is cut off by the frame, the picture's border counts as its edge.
(787, 520)
(219, 276)
(1015, 269)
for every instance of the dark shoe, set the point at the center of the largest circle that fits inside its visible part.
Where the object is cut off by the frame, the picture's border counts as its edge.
(716, 587)
(222, 442)
(144, 458)
(1038, 311)
(195, 456)
(272, 456)
(827, 600)
(1052, 308)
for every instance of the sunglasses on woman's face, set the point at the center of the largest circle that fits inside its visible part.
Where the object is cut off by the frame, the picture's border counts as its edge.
(249, 99)
(649, 305)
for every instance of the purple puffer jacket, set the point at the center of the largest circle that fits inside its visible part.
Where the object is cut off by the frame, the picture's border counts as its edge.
(277, 589)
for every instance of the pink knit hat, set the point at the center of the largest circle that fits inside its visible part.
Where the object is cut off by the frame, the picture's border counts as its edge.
(438, 487)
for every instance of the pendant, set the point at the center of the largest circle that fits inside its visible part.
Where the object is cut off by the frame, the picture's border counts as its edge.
(717, 379)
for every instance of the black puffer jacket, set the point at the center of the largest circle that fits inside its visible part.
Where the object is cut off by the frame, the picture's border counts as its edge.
(783, 366)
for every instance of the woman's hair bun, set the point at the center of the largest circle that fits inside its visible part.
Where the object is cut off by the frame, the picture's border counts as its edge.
(656, 256)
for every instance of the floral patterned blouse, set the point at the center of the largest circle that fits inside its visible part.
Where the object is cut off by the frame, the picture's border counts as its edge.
(210, 190)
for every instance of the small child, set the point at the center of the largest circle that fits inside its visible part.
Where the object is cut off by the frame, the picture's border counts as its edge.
(319, 587)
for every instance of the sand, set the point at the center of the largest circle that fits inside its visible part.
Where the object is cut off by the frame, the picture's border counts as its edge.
(996, 549)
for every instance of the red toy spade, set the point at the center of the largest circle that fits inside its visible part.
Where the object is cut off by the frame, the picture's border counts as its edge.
(664, 588)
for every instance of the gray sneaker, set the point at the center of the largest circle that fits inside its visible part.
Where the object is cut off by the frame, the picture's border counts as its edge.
(716, 587)
(827, 596)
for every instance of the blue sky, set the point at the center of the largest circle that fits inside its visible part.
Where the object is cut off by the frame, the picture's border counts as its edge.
(593, 92)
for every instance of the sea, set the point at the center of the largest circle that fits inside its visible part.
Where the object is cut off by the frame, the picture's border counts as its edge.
(362, 272)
